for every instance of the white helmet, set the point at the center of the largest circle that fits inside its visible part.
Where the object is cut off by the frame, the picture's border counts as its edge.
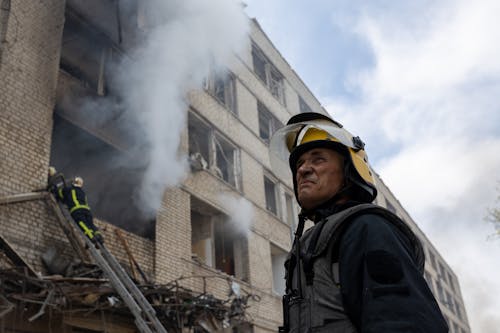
(78, 181)
(310, 130)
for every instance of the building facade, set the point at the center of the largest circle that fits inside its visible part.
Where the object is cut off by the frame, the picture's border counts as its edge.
(230, 220)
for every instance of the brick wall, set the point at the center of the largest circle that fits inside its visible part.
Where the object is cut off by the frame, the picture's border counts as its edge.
(173, 236)
(28, 71)
(28, 66)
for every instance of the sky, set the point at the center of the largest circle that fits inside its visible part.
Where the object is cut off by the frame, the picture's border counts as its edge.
(419, 81)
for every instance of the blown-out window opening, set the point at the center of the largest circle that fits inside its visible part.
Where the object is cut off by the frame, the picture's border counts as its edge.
(216, 241)
(268, 123)
(222, 86)
(271, 194)
(209, 150)
(278, 257)
(290, 212)
(268, 73)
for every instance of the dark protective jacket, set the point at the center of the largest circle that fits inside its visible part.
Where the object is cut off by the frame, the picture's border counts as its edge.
(74, 198)
(361, 270)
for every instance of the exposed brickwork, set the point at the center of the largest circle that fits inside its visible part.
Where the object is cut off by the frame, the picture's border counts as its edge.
(28, 68)
(142, 249)
(173, 236)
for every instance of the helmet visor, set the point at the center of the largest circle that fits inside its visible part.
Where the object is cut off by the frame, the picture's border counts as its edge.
(287, 138)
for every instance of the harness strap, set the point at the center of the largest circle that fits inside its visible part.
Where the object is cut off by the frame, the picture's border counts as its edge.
(307, 257)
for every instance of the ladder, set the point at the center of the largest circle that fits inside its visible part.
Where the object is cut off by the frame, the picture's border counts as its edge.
(144, 314)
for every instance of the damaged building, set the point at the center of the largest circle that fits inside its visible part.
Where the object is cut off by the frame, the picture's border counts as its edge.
(201, 267)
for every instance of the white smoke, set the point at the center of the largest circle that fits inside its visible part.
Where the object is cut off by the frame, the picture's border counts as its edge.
(183, 40)
(240, 211)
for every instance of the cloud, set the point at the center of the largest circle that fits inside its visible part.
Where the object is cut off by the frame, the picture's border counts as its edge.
(425, 101)
(430, 111)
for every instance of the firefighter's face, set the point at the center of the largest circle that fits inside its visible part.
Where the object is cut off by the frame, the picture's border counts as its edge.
(319, 176)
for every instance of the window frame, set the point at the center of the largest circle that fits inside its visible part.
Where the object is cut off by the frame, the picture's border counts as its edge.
(303, 106)
(228, 79)
(215, 141)
(275, 184)
(219, 240)
(268, 74)
(277, 254)
(272, 123)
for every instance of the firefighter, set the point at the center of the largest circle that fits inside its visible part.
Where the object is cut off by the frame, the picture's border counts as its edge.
(54, 181)
(75, 199)
(360, 267)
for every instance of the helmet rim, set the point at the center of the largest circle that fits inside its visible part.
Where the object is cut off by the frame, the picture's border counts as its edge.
(357, 169)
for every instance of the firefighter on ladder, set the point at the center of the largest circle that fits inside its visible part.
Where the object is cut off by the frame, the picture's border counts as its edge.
(75, 199)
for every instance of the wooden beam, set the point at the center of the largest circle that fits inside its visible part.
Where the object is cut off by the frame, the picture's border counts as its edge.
(30, 196)
(133, 263)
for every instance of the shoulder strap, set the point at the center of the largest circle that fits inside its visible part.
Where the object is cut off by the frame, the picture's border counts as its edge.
(335, 225)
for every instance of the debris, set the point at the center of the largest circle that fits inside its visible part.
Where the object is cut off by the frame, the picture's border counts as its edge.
(176, 306)
(133, 263)
(13, 256)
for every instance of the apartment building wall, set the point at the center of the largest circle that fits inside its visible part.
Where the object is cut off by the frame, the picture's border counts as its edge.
(28, 68)
(28, 71)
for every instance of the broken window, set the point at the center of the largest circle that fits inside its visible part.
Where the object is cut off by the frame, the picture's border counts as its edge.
(271, 193)
(225, 159)
(268, 73)
(303, 106)
(199, 145)
(86, 54)
(278, 257)
(222, 86)
(209, 150)
(216, 242)
(268, 123)
(110, 175)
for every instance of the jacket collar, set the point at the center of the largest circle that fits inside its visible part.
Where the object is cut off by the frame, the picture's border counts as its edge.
(326, 209)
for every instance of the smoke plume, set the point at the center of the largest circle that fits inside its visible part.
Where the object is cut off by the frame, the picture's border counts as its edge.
(185, 39)
(180, 43)
(240, 212)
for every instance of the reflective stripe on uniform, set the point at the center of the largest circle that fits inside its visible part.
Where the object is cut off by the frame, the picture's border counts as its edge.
(86, 230)
(77, 203)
